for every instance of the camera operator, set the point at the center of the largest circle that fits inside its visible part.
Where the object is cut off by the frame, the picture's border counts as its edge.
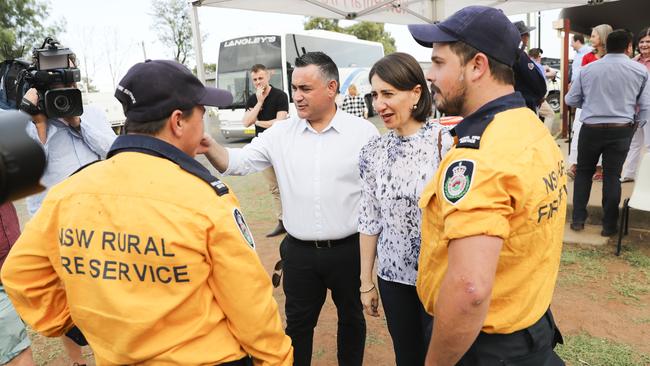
(69, 144)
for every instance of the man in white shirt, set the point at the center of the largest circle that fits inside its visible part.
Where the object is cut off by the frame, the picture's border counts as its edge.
(581, 49)
(316, 159)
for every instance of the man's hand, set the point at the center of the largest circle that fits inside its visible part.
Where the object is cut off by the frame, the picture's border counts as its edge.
(206, 142)
(73, 122)
(261, 93)
(40, 120)
(32, 97)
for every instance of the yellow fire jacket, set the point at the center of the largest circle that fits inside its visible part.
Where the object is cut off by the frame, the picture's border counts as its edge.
(151, 264)
(505, 177)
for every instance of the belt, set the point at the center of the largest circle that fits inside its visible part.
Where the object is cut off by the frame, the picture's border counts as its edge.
(246, 361)
(322, 244)
(611, 125)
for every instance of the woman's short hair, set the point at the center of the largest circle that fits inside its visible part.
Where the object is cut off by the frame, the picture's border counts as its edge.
(643, 33)
(352, 89)
(404, 73)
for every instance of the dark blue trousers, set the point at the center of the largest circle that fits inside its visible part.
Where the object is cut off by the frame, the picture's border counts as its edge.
(409, 324)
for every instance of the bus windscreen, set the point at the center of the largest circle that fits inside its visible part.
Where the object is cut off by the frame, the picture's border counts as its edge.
(237, 56)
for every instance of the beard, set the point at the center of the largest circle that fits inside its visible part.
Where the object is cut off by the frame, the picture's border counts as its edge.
(453, 104)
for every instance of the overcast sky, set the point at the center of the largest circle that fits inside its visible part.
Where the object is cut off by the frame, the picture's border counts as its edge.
(120, 31)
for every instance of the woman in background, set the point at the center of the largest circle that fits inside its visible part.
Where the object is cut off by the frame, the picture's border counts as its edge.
(354, 103)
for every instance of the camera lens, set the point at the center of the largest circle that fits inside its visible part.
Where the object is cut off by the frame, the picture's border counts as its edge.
(62, 103)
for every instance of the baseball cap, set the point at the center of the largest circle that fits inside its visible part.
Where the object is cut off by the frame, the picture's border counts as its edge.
(523, 28)
(153, 89)
(484, 28)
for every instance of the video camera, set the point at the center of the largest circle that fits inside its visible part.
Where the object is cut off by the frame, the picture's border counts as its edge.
(51, 74)
(22, 160)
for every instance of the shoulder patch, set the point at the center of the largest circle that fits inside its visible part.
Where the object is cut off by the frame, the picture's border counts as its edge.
(243, 227)
(458, 180)
(531, 66)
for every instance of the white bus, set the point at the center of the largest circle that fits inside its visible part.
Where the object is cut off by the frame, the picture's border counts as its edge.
(278, 53)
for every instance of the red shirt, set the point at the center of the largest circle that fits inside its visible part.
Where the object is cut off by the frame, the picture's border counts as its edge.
(589, 58)
(9, 229)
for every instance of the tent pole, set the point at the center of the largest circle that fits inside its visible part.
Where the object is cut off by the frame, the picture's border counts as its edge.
(565, 78)
(196, 33)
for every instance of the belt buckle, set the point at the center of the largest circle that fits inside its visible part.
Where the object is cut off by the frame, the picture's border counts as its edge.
(326, 244)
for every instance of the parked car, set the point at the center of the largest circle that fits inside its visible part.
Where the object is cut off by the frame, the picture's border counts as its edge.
(553, 93)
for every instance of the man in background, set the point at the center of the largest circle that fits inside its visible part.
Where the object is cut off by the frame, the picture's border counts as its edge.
(614, 97)
(267, 106)
(528, 81)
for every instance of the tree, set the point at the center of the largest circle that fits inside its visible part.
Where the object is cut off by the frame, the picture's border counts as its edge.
(375, 32)
(324, 24)
(172, 25)
(22, 27)
(114, 50)
(369, 31)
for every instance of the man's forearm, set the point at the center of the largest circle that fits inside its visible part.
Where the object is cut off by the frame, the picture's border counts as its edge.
(218, 156)
(458, 321)
(250, 117)
(464, 297)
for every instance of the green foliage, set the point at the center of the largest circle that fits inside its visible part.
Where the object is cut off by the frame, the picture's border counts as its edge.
(578, 265)
(369, 31)
(583, 349)
(630, 285)
(171, 22)
(23, 27)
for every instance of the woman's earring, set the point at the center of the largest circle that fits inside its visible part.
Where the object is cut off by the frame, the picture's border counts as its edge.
(415, 106)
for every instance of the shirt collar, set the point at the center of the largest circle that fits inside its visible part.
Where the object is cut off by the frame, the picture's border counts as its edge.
(156, 147)
(336, 123)
(471, 128)
(616, 55)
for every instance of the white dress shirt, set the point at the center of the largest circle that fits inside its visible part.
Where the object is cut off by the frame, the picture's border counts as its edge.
(318, 173)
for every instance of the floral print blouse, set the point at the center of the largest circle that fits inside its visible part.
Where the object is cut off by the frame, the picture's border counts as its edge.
(394, 170)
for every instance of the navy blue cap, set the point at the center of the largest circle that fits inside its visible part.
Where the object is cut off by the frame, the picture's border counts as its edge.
(484, 28)
(152, 90)
(522, 28)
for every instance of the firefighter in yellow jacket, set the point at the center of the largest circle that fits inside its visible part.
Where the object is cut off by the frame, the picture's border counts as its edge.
(147, 253)
(493, 216)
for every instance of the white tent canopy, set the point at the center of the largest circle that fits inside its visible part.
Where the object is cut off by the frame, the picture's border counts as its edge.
(386, 11)
(383, 11)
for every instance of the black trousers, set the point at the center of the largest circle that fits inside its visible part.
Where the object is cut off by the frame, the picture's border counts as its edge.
(308, 273)
(532, 346)
(613, 144)
(408, 323)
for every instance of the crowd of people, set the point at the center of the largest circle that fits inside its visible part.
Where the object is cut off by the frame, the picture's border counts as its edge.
(147, 257)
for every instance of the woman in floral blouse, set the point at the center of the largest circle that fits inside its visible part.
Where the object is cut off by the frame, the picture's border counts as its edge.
(395, 168)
